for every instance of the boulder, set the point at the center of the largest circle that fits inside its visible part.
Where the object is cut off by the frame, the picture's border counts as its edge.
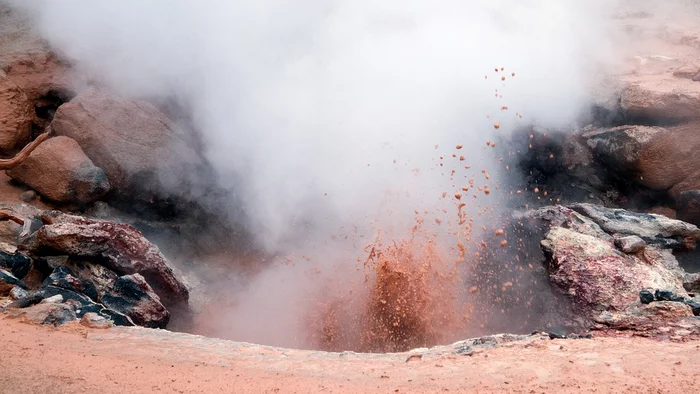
(596, 276)
(16, 115)
(143, 153)
(119, 247)
(60, 171)
(618, 148)
(133, 297)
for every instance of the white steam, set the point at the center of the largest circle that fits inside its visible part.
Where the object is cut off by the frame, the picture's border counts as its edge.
(315, 97)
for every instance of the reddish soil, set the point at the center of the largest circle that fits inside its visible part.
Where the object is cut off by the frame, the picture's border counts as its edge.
(74, 359)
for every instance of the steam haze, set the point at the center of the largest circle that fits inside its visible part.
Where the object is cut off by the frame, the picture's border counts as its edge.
(318, 113)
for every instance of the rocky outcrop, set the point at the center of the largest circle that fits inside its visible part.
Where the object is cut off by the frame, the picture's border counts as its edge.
(610, 263)
(60, 171)
(132, 296)
(143, 153)
(16, 115)
(670, 100)
(119, 247)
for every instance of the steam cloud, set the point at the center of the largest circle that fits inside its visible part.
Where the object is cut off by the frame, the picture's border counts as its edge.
(322, 109)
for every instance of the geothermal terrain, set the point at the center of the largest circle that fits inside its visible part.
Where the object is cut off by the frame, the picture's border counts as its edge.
(350, 199)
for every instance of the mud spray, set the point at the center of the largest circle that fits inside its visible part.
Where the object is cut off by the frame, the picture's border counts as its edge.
(362, 140)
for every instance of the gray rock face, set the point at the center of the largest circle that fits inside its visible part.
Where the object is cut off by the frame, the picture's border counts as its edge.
(653, 229)
(619, 147)
(59, 170)
(48, 313)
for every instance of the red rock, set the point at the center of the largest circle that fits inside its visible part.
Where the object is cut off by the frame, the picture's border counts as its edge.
(16, 114)
(117, 246)
(60, 171)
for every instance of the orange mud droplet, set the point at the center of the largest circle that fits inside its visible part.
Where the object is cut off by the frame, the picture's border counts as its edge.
(496, 125)
(473, 289)
(512, 74)
(537, 190)
(532, 136)
(458, 196)
(459, 146)
(504, 243)
(499, 232)
(503, 78)
(461, 158)
(504, 108)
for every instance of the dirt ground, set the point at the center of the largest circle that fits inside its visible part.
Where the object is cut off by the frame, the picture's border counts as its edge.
(74, 359)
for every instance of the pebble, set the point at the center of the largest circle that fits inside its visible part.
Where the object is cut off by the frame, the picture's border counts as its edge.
(93, 320)
(57, 299)
(28, 196)
(646, 297)
(17, 292)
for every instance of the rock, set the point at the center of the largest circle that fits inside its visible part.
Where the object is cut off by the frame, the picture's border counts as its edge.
(653, 229)
(691, 282)
(543, 219)
(81, 304)
(117, 246)
(667, 295)
(16, 115)
(590, 272)
(101, 277)
(9, 230)
(646, 297)
(48, 313)
(619, 147)
(133, 297)
(60, 171)
(630, 244)
(672, 100)
(694, 306)
(17, 292)
(57, 299)
(63, 277)
(143, 153)
(688, 206)
(18, 263)
(8, 281)
(93, 320)
(28, 196)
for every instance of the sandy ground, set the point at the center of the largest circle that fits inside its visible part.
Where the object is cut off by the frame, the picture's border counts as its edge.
(74, 359)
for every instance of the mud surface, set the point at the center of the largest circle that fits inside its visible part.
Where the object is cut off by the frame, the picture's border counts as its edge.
(73, 359)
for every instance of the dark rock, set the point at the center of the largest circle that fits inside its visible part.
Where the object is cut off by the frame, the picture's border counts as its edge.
(646, 297)
(18, 263)
(557, 335)
(630, 244)
(133, 297)
(688, 206)
(117, 246)
(667, 295)
(695, 305)
(63, 277)
(8, 281)
(101, 277)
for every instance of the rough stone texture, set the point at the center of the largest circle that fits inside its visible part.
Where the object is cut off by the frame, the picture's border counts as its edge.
(619, 147)
(8, 282)
(18, 263)
(9, 230)
(60, 171)
(142, 152)
(653, 229)
(674, 100)
(669, 160)
(47, 313)
(16, 114)
(688, 206)
(93, 320)
(99, 276)
(630, 244)
(63, 277)
(591, 272)
(119, 247)
(133, 297)
(650, 317)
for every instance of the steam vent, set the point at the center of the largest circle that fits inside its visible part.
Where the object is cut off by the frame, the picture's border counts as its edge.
(350, 196)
